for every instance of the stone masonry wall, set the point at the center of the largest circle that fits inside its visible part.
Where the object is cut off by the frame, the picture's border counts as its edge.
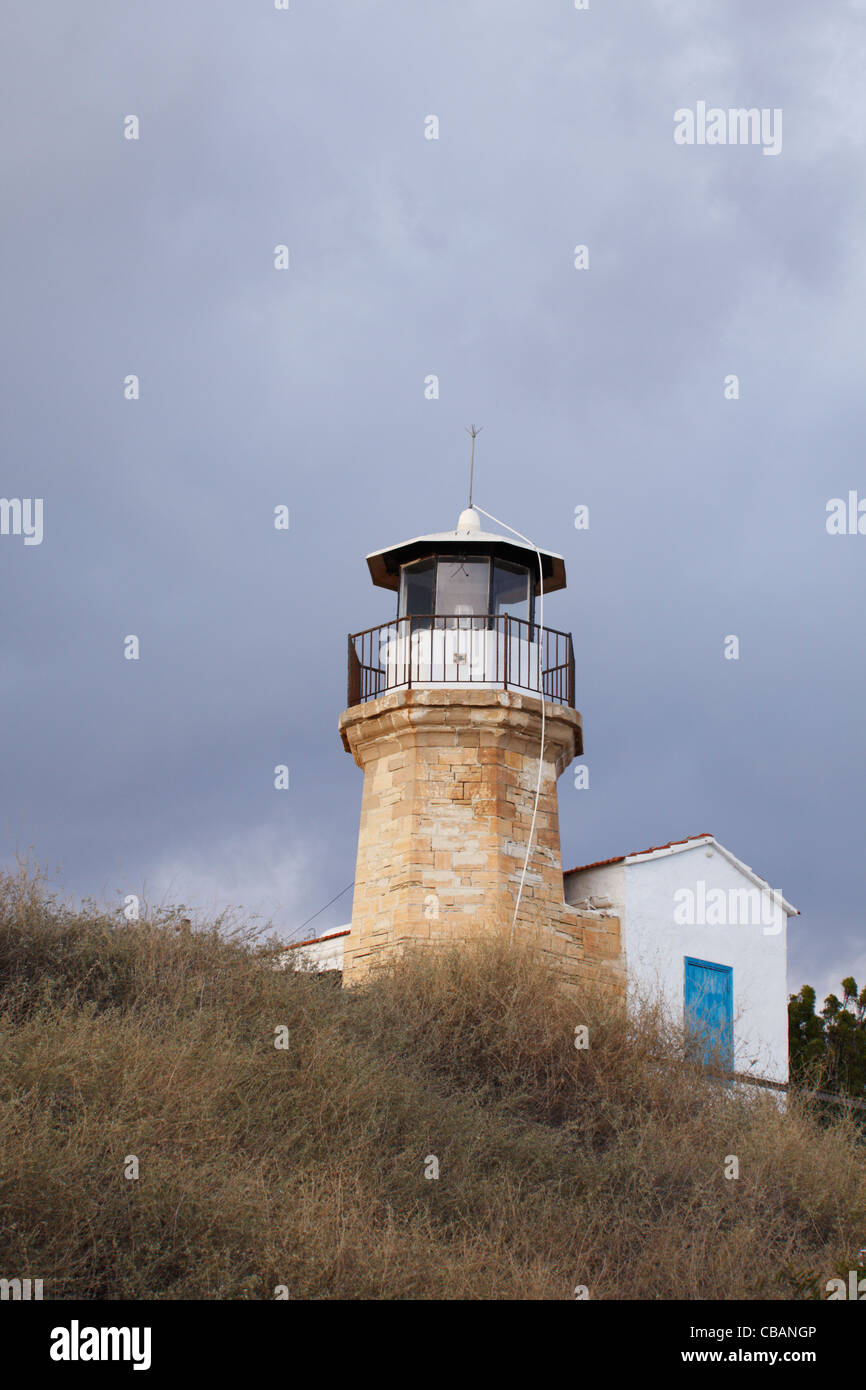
(449, 786)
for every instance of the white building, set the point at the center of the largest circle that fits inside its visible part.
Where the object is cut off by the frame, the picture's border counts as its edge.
(322, 952)
(704, 933)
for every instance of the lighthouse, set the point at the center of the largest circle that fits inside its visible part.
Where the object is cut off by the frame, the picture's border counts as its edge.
(461, 715)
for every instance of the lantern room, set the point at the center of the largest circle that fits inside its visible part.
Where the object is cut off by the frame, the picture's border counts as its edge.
(468, 613)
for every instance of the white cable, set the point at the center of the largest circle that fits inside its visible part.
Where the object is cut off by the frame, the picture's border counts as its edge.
(541, 691)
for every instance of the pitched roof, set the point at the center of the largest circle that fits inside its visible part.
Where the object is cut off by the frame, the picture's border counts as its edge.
(676, 847)
(314, 940)
(637, 854)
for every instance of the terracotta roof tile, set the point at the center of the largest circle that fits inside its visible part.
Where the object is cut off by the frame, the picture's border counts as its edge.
(314, 940)
(620, 858)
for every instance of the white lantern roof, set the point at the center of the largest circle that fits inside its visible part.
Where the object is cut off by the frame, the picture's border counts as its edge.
(466, 539)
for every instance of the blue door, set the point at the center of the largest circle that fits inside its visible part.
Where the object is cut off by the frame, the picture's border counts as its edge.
(709, 1011)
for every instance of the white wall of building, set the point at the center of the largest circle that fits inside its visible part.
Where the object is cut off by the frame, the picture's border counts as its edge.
(644, 893)
(326, 953)
(590, 887)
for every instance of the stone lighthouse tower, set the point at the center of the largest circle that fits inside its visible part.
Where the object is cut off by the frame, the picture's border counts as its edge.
(461, 715)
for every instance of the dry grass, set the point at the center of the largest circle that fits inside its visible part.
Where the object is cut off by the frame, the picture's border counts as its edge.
(305, 1167)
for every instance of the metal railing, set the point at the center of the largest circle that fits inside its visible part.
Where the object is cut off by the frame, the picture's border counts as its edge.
(446, 649)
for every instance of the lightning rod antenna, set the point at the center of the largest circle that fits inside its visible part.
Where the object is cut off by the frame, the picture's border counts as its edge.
(474, 434)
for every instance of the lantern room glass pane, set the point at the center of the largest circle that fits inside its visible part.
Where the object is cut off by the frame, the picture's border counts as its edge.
(510, 590)
(417, 588)
(463, 586)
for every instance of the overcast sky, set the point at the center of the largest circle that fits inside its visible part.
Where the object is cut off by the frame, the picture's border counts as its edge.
(410, 257)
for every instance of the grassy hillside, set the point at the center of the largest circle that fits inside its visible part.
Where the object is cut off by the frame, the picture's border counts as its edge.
(305, 1166)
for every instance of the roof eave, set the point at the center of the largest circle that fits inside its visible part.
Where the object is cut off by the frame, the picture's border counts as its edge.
(384, 565)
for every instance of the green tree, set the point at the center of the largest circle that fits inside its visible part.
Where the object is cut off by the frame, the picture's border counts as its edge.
(829, 1049)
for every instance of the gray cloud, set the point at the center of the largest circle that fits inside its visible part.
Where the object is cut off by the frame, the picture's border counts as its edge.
(306, 387)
